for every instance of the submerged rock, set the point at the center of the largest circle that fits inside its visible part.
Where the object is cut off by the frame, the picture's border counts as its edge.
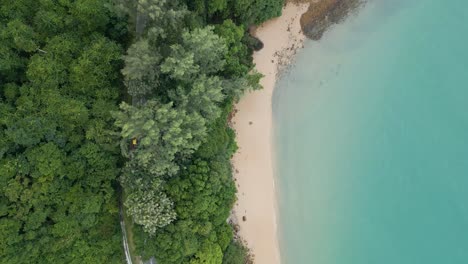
(324, 13)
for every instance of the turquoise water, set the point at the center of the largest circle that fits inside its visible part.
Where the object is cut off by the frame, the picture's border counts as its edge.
(372, 139)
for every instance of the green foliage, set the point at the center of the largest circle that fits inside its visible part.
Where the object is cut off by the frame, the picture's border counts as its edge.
(162, 131)
(58, 158)
(235, 88)
(245, 12)
(10, 63)
(59, 84)
(220, 143)
(202, 97)
(149, 206)
(208, 254)
(162, 18)
(198, 193)
(23, 36)
(236, 253)
(203, 195)
(140, 69)
(238, 62)
(255, 11)
(90, 15)
(10, 92)
(184, 76)
(208, 49)
(180, 65)
(201, 52)
(208, 8)
(167, 133)
(95, 70)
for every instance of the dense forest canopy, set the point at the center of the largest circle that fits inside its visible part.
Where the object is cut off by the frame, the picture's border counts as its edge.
(59, 81)
(80, 82)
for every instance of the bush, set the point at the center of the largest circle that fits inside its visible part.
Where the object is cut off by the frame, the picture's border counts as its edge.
(221, 138)
(236, 253)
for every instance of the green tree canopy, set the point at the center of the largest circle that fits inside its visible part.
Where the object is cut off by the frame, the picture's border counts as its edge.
(148, 204)
(162, 131)
(202, 97)
(59, 80)
(141, 69)
(238, 57)
(203, 196)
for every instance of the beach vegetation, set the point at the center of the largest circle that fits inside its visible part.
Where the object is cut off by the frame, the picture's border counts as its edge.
(243, 12)
(190, 71)
(237, 253)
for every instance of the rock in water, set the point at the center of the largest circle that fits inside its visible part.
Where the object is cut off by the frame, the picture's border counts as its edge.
(324, 13)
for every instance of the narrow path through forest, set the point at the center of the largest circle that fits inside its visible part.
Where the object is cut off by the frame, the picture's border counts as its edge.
(139, 28)
(124, 236)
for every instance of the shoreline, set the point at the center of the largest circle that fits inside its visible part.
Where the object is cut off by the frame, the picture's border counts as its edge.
(256, 205)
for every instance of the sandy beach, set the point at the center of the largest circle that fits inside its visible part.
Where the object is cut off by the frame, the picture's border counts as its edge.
(255, 209)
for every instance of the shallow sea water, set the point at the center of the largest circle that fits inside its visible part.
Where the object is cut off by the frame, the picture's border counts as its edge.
(371, 132)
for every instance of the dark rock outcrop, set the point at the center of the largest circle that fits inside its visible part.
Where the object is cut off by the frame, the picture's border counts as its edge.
(324, 13)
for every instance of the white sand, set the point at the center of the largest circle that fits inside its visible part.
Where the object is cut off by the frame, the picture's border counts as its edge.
(253, 124)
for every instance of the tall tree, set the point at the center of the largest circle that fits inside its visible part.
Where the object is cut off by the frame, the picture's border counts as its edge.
(202, 97)
(208, 49)
(141, 69)
(200, 52)
(238, 56)
(146, 201)
(162, 131)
